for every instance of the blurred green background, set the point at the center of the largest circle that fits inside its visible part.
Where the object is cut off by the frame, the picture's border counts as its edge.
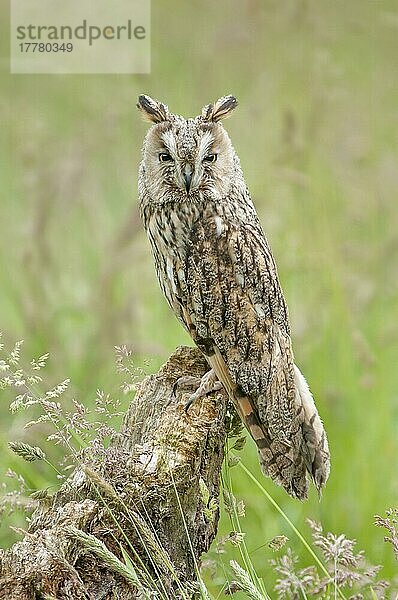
(317, 134)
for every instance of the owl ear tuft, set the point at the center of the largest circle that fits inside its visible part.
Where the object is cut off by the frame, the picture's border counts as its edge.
(152, 110)
(220, 109)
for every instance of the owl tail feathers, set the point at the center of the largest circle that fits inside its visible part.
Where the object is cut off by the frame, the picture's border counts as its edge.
(277, 461)
(288, 461)
(278, 458)
(315, 449)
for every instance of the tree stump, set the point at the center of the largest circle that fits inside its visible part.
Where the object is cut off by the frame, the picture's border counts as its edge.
(132, 524)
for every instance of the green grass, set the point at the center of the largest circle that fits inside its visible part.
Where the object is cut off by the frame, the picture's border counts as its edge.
(317, 135)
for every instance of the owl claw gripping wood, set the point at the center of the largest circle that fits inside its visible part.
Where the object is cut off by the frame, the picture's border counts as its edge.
(209, 383)
(218, 275)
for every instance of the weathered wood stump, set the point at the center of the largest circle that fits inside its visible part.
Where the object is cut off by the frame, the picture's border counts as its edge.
(135, 522)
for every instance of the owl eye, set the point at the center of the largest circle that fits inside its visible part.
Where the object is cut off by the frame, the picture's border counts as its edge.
(165, 157)
(210, 158)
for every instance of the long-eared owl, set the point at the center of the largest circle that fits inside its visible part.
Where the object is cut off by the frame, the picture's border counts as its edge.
(218, 275)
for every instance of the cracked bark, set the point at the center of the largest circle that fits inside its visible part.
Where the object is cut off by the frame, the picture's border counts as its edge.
(141, 499)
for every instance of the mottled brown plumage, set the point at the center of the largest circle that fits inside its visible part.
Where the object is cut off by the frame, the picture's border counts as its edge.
(218, 275)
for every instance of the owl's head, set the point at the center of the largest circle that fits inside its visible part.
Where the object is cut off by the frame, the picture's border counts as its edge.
(187, 158)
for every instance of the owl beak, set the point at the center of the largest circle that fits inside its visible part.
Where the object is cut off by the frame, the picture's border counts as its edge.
(187, 173)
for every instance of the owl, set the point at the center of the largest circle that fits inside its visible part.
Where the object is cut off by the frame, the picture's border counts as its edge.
(219, 277)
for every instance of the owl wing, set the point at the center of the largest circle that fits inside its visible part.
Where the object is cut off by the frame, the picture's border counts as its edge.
(234, 309)
(234, 304)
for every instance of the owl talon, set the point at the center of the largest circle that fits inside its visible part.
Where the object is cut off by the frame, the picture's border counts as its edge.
(187, 381)
(209, 383)
(189, 403)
